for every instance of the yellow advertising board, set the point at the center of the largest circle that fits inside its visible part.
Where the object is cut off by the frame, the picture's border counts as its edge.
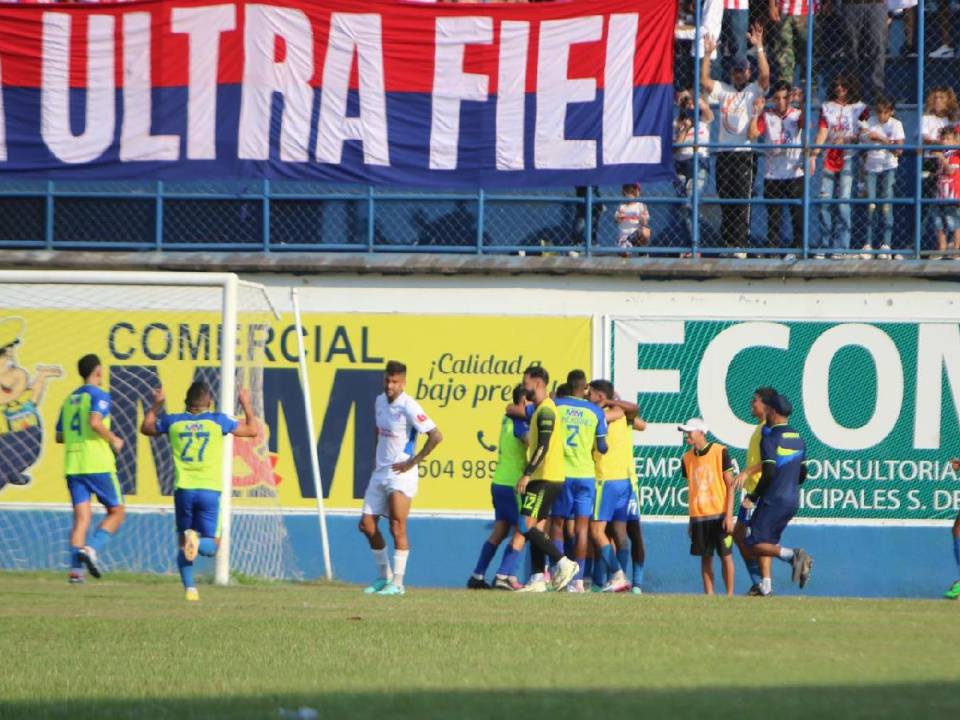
(460, 368)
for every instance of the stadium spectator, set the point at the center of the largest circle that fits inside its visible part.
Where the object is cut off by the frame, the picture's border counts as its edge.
(783, 174)
(840, 119)
(865, 22)
(683, 140)
(789, 26)
(945, 49)
(736, 166)
(880, 167)
(906, 9)
(939, 110)
(733, 33)
(633, 219)
(946, 219)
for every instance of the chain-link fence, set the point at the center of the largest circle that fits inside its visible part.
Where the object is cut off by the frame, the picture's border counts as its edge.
(802, 129)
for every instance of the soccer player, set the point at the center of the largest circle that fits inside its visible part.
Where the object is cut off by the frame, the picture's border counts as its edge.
(777, 496)
(633, 529)
(613, 485)
(748, 480)
(511, 460)
(954, 592)
(709, 473)
(196, 443)
(543, 477)
(393, 484)
(584, 430)
(90, 466)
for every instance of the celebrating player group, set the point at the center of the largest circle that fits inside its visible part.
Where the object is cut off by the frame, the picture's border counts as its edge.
(565, 485)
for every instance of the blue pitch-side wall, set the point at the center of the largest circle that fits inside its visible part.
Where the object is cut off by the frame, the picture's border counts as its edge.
(861, 561)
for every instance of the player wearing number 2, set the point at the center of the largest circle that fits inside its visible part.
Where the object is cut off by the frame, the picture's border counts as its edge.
(196, 442)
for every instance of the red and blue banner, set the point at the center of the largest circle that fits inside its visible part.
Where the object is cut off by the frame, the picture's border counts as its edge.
(342, 91)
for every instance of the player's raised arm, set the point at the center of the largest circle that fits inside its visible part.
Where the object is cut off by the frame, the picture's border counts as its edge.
(149, 425)
(250, 427)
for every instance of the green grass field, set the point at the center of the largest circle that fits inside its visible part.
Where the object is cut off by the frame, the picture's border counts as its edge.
(132, 648)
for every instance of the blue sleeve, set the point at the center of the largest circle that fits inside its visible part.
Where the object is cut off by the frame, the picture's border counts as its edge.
(520, 428)
(529, 410)
(163, 424)
(601, 423)
(602, 444)
(100, 402)
(227, 424)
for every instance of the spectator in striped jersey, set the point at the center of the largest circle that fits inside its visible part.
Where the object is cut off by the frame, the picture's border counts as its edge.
(946, 218)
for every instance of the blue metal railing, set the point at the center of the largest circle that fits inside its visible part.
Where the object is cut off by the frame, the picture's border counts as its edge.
(283, 217)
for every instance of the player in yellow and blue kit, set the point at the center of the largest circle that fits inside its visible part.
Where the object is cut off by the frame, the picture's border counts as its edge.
(584, 429)
(511, 459)
(196, 442)
(748, 479)
(613, 485)
(90, 466)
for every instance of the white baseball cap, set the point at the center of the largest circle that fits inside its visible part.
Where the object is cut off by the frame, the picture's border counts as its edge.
(694, 424)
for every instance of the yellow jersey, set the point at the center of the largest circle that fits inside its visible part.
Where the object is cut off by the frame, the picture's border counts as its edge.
(616, 462)
(753, 458)
(551, 468)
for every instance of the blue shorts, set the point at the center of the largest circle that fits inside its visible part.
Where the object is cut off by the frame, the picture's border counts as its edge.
(577, 500)
(613, 497)
(633, 505)
(744, 514)
(198, 510)
(769, 521)
(104, 485)
(506, 506)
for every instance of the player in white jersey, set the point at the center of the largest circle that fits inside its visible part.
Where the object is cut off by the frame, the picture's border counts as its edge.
(393, 484)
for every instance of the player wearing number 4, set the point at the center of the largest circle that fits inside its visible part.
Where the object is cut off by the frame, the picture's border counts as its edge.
(91, 466)
(954, 592)
(196, 442)
(393, 484)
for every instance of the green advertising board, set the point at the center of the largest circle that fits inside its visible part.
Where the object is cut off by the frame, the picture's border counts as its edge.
(877, 404)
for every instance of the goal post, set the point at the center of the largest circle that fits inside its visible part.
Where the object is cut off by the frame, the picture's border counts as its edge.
(60, 315)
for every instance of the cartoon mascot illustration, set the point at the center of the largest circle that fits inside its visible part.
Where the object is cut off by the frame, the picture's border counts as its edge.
(21, 430)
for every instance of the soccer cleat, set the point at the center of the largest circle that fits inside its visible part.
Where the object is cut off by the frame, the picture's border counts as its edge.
(536, 586)
(636, 590)
(502, 582)
(954, 592)
(391, 589)
(575, 587)
(806, 568)
(376, 587)
(618, 583)
(88, 556)
(796, 563)
(563, 572)
(475, 583)
(754, 591)
(192, 595)
(191, 545)
(75, 578)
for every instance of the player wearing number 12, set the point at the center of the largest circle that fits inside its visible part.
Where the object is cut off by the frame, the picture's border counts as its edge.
(91, 466)
(196, 442)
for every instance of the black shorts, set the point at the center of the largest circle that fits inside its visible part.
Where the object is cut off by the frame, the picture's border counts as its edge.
(707, 536)
(538, 498)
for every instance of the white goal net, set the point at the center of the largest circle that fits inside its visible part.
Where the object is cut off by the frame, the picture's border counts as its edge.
(158, 331)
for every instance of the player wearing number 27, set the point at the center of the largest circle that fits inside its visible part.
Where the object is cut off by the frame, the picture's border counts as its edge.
(196, 442)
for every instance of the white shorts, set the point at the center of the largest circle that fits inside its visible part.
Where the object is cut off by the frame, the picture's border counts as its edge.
(382, 483)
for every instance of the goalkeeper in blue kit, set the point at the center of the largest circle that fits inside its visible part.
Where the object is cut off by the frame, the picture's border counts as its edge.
(196, 442)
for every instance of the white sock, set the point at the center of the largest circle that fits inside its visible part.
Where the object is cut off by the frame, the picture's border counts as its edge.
(383, 562)
(536, 577)
(786, 554)
(766, 586)
(399, 566)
